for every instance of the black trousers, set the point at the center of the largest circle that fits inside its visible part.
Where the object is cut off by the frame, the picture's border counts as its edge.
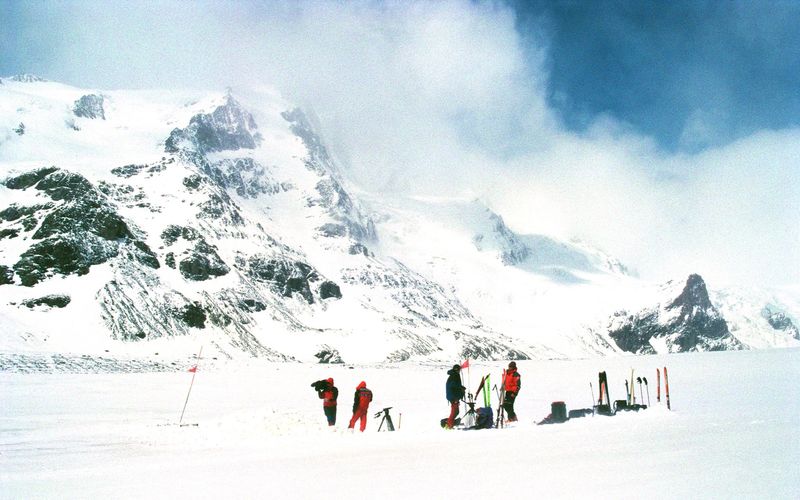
(508, 405)
(330, 413)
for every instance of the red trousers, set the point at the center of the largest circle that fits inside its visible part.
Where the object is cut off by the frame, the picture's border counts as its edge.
(453, 412)
(361, 412)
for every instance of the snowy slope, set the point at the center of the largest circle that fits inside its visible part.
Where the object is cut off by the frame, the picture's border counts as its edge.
(142, 222)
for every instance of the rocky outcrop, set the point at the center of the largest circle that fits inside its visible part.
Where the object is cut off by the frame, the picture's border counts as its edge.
(328, 355)
(778, 320)
(288, 278)
(200, 261)
(89, 106)
(228, 128)
(685, 321)
(77, 230)
(54, 300)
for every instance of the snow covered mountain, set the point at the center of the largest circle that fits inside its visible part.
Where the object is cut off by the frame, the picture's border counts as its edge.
(142, 222)
(685, 321)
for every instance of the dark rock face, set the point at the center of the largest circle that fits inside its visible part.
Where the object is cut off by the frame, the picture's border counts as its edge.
(6, 275)
(689, 322)
(128, 171)
(79, 229)
(285, 277)
(329, 289)
(194, 315)
(329, 355)
(199, 263)
(228, 128)
(89, 106)
(8, 233)
(198, 267)
(64, 255)
(28, 179)
(59, 301)
(252, 305)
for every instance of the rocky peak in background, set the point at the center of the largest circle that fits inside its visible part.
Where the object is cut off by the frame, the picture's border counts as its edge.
(685, 320)
(228, 128)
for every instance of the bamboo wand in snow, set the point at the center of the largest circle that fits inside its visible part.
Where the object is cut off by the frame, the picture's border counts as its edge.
(194, 372)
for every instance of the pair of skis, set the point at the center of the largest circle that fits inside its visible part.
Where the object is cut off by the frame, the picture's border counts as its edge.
(487, 398)
(666, 387)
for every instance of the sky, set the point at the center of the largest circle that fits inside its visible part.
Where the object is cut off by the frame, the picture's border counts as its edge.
(667, 133)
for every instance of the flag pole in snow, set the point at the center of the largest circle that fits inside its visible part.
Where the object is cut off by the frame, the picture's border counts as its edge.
(194, 372)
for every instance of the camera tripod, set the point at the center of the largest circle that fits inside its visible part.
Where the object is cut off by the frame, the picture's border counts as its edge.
(386, 418)
(469, 417)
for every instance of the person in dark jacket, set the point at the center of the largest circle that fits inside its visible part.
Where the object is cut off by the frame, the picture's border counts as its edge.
(454, 392)
(512, 383)
(361, 402)
(328, 393)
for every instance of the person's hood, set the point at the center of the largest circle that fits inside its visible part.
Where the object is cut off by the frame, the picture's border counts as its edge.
(330, 381)
(453, 371)
(362, 385)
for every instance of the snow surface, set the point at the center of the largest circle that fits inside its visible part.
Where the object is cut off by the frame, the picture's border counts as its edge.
(733, 432)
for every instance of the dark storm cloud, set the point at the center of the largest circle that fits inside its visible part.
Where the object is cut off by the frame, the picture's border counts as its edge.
(690, 73)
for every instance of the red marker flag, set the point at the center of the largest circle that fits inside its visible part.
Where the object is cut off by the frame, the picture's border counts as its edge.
(465, 364)
(193, 369)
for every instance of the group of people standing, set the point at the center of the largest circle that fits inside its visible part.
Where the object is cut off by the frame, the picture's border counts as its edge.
(329, 394)
(455, 392)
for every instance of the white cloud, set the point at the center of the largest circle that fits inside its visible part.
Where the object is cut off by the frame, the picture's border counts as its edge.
(442, 97)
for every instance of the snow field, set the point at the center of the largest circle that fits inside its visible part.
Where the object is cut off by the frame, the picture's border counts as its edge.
(734, 432)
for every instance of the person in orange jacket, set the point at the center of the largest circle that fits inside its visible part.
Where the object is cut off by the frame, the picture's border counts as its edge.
(512, 383)
(361, 402)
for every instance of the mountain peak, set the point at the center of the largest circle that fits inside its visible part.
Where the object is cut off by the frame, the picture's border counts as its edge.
(694, 294)
(229, 127)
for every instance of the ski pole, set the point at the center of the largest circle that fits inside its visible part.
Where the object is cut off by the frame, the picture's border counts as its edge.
(591, 391)
(627, 392)
(194, 372)
(400, 422)
(658, 385)
(639, 381)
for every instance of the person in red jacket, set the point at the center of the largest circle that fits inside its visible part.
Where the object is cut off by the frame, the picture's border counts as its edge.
(328, 393)
(361, 402)
(512, 383)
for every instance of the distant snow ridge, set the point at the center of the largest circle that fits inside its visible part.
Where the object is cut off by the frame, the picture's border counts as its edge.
(26, 78)
(685, 321)
(541, 254)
